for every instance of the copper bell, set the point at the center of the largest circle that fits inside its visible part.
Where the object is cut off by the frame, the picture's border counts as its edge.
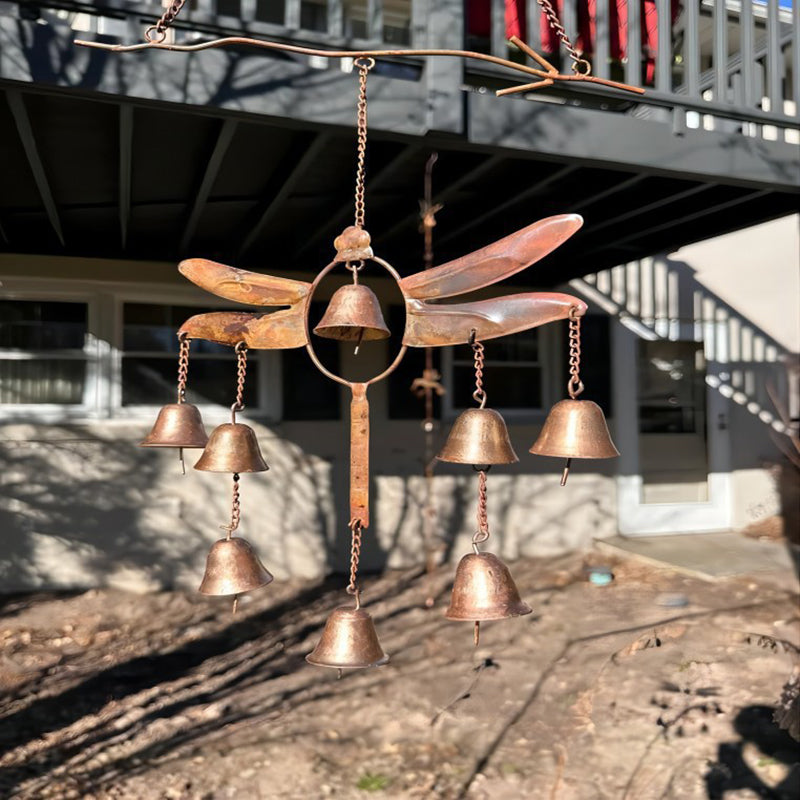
(575, 429)
(232, 567)
(353, 315)
(349, 641)
(484, 589)
(177, 425)
(478, 436)
(232, 447)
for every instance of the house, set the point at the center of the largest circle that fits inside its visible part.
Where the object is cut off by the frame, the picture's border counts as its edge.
(117, 166)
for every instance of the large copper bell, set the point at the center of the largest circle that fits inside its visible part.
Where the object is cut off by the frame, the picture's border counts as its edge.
(575, 429)
(484, 589)
(353, 314)
(478, 436)
(232, 567)
(232, 447)
(177, 425)
(349, 641)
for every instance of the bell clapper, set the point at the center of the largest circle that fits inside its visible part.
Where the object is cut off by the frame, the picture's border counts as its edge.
(358, 343)
(565, 474)
(235, 604)
(477, 633)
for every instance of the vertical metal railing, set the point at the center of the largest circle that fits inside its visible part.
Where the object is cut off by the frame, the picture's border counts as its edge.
(681, 51)
(633, 68)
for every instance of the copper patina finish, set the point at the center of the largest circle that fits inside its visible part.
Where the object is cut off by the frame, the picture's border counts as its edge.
(428, 322)
(232, 567)
(484, 590)
(232, 447)
(349, 641)
(177, 425)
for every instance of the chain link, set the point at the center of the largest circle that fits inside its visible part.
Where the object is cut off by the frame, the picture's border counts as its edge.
(241, 373)
(575, 385)
(364, 65)
(355, 555)
(479, 395)
(236, 511)
(580, 66)
(183, 366)
(158, 33)
(483, 519)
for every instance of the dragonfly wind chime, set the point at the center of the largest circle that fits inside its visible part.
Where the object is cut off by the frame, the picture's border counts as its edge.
(483, 588)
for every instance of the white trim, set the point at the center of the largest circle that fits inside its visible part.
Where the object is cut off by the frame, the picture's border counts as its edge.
(635, 518)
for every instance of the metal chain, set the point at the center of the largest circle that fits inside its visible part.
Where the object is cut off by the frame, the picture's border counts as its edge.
(364, 65)
(241, 373)
(158, 32)
(236, 511)
(483, 519)
(580, 66)
(575, 385)
(183, 366)
(479, 395)
(355, 554)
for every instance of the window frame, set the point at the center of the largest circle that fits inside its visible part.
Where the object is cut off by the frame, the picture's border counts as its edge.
(270, 403)
(551, 373)
(92, 354)
(104, 350)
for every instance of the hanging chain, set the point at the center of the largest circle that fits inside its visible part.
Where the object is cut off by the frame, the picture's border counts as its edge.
(483, 519)
(479, 395)
(183, 366)
(158, 32)
(241, 373)
(236, 511)
(575, 385)
(364, 65)
(355, 554)
(580, 66)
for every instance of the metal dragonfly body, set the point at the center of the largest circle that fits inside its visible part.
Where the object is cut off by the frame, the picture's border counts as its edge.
(429, 322)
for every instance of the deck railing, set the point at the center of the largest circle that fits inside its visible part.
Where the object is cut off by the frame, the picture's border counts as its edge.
(730, 65)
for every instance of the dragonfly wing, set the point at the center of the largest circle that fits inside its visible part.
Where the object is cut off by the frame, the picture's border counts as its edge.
(280, 330)
(494, 262)
(242, 286)
(430, 325)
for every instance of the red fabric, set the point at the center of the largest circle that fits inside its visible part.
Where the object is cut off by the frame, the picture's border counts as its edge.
(618, 29)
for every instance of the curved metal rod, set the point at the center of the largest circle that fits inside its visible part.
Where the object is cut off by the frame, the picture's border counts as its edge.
(310, 347)
(546, 76)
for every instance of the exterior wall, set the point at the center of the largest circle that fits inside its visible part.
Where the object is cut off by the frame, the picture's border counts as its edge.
(738, 295)
(82, 505)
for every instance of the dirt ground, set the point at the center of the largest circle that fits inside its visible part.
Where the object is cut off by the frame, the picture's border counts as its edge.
(618, 691)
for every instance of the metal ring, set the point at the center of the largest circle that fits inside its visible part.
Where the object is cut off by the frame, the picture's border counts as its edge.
(148, 35)
(240, 346)
(367, 62)
(581, 67)
(575, 387)
(479, 397)
(235, 409)
(310, 347)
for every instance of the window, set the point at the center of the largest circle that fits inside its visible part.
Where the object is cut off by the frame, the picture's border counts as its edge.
(515, 377)
(47, 356)
(150, 361)
(307, 393)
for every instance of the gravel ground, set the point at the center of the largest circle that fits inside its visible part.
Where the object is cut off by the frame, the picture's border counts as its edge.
(618, 691)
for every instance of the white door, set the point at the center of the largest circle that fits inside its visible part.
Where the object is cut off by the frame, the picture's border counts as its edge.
(671, 430)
